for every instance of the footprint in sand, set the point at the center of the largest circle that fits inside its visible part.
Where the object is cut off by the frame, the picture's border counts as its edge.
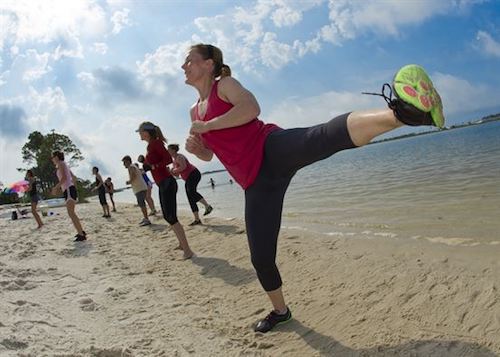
(13, 344)
(87, 304)
(17, 284)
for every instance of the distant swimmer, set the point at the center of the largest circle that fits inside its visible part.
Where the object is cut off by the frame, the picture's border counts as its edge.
(189, 173)
(263, 158)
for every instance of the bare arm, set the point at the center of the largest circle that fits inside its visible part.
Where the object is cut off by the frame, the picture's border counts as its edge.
(245, 108)
(181, 164)
(132, 174)
(195, 145)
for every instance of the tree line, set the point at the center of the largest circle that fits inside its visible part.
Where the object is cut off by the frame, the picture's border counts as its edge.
(37, 155)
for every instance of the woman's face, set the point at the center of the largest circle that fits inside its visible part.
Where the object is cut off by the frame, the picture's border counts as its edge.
(55, 160)
(94, 171)
(195, 67)
(144, 135)
(172, 152)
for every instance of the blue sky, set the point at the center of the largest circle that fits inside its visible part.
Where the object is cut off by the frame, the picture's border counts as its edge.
(94, 70)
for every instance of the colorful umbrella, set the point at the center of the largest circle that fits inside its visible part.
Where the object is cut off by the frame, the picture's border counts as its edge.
(18, 187)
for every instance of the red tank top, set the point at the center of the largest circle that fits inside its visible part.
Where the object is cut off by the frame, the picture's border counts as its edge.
(241, 148)
(187, 170)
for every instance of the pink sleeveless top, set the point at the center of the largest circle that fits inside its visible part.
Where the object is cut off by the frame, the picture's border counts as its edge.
(69, 178)
(241, 148)
(187, 170)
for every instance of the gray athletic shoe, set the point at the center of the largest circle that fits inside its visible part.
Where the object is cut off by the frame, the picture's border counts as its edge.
(144, 222)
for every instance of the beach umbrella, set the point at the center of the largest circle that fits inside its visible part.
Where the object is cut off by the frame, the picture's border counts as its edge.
(18, 187)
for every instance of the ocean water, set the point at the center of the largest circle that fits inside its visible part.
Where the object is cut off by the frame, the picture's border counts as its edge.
(443, 187)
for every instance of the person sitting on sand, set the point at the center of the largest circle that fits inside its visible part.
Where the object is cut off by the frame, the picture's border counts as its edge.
(67, 182)
(189, 173)
(139, 188)
(110, 189)
(263, 158)
(34, 197)
(101, 191)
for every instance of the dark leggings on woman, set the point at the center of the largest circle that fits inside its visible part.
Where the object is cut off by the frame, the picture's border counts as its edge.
(285, 152)
(168, 199)
(191, 192)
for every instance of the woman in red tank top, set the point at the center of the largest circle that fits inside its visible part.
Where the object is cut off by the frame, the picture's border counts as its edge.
(263, 158)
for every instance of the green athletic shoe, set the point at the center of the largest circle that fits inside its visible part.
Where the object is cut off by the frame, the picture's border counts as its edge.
(417, 102)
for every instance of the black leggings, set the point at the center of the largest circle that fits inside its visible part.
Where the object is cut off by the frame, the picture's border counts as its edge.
(168, 199)
(285, 152)
(191, 192)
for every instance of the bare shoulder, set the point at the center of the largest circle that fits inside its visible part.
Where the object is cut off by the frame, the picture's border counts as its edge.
(230, 89)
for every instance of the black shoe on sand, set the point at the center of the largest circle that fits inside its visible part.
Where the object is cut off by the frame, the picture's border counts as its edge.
(271, 320)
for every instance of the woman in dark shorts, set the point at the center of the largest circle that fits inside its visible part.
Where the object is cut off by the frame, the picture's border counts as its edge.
(101, 191)
(34, 197)
(67, 183)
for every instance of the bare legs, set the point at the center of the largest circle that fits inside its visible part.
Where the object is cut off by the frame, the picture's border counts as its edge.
(150, 201)
(70, 206)
(365, 125)
(36, 215)
(181, 237)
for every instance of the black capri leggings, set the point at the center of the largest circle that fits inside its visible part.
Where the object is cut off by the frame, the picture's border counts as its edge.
(191, 192)
(285, 152)
(168, 199)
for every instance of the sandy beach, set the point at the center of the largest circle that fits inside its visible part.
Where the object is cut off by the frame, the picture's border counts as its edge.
(126, 292)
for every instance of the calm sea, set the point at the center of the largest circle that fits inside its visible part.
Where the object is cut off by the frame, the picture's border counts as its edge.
(443, 187)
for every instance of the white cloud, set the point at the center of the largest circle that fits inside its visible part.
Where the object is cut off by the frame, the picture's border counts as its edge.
(50, 100)
(120, 20)
(87, 78)
(301, 112)
(69, 46)
(31, 65)
(461, 96)
(349, 18)
(42, 21)
(487, 44)
(100, 47)
(162, 66)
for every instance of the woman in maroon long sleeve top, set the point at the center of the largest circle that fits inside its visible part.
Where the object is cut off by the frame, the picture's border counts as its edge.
(158, 158)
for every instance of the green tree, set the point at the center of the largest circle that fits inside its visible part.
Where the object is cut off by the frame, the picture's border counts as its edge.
(37, 153)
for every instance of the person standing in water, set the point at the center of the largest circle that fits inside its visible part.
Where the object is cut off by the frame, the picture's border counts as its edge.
(101, 191)
(110, 189)
(34, 196)
(189, 173)
(139, 188)
(157, 158)
(67, 182)
(263, 158)
(149, 196)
